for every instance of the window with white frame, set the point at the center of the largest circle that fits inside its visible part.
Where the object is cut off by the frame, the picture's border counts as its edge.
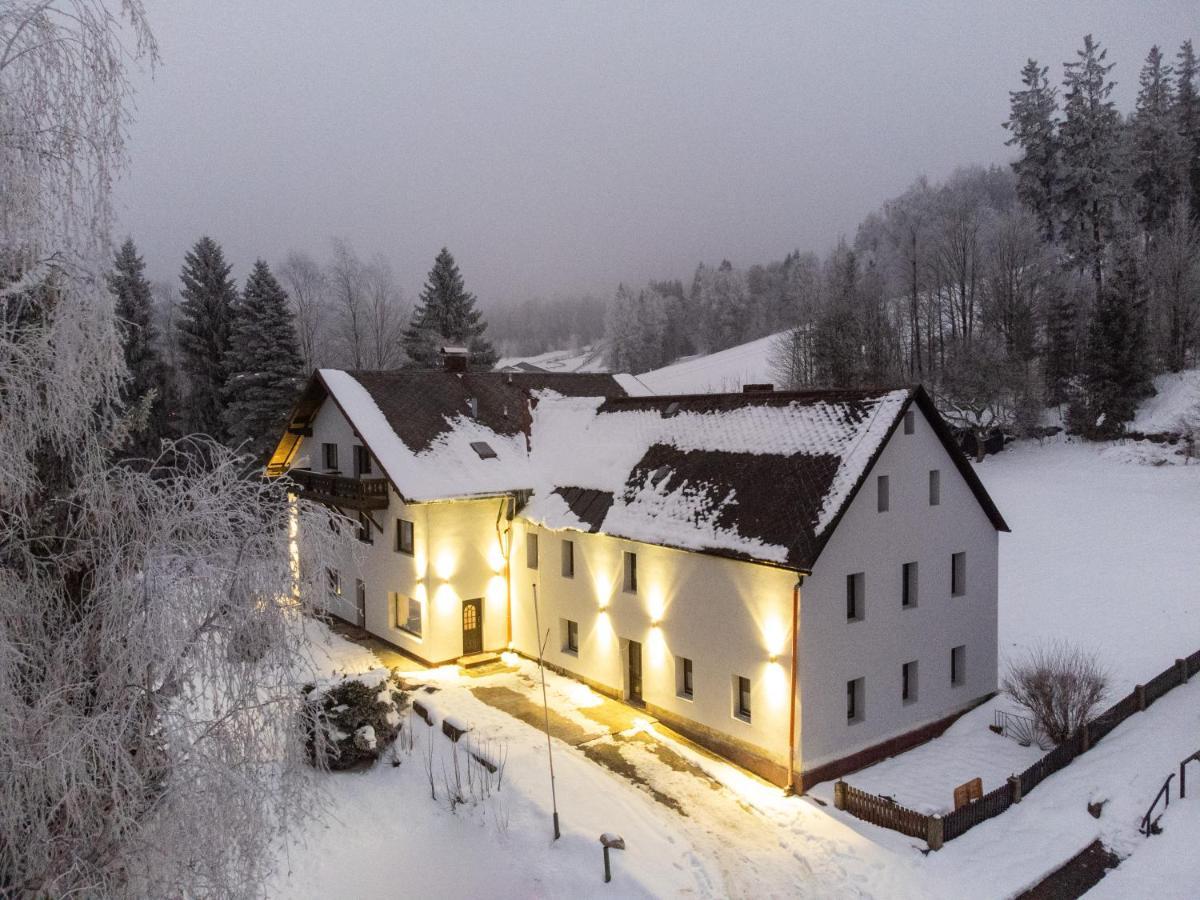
(629, 583)
(741, 697)
(958, 574)
(404, 536)
(855, 700)
(683, 677)
(570, 636)
(908, 682)
(531, 551)
(908, 585)
(958, 665)
(408, 614)
(568, 559)
(935, 487)
(856, 587)
(884, 499)
(329, 457)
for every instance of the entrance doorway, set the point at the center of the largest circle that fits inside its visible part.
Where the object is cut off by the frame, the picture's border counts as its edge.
(472, 626)
(635, 671)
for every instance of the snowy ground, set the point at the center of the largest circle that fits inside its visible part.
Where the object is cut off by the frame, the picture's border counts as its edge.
(1103, 551)
(585, 359)
(723, 371)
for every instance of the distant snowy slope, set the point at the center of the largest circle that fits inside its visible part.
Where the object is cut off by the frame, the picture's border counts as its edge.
(1178, 395)
(723, 371)
(586, 359)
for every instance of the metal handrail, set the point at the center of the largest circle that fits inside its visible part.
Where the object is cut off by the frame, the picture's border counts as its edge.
(1195, 757)
(1165, 791)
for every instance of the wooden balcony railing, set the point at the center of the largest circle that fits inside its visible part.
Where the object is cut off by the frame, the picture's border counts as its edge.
(348, 493)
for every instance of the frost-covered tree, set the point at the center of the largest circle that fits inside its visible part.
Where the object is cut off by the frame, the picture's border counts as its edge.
(307, 288)
(265, 370)
(149, 614)
(1031, 122)
(445, 314)
(1187, 115)
(149, 391)
(1158, 148)
(204, 319)
(1089, 141)
(1175, 289)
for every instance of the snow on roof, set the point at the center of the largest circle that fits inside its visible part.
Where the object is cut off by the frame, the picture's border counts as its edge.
(423, 427)
(753, 476)
(758, 476)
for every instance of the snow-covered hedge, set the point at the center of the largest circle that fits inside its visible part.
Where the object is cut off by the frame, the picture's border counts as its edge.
(351, 721)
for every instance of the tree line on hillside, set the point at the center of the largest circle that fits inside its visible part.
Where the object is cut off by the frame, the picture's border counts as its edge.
(1071, 279)
(230, 363)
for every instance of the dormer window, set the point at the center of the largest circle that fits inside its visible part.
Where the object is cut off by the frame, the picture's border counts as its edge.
(484, 449)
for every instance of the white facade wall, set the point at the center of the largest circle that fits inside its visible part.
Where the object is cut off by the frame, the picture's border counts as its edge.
(730, 618)
(833, 651)
(455, 557)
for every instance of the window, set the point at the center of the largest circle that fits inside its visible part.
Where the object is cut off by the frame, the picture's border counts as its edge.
(910, 422)
(884, 500)
(741, 700)
(855, 708)
(908, 682)
(683, 676)
(483, 449)
(630, 572)
(908, 588)
(335, 582)
(362, 460)
(531, 551)
(855, 591)
(935, 487)
(570, 636)
(958, 665)
(408, 614)
(958, 574)
(404, 536)
(329, 457)
(364, 528)
(568, 559)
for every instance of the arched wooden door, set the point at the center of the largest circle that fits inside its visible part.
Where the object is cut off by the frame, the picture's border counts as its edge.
(472, 626)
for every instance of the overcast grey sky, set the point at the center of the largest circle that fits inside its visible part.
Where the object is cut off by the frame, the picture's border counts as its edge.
(560, 147)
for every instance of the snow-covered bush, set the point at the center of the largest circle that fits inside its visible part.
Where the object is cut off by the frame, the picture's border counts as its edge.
(352, 721)
(1060, 685)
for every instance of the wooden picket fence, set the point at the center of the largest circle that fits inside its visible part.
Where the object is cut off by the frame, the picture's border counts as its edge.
(934, 830)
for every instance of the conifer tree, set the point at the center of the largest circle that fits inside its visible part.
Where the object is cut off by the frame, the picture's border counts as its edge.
(1031, 122)
(1158, 150)
(1089, 143)
(446, 315)
(263, 362)
(1187, 116)
(148, 392)
(208, 298)
(1116, 369)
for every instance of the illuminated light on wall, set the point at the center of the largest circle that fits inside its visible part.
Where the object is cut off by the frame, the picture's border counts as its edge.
(294, 542)
(603, 591)
(495, 591)
(443, 566)
(420, 593)
(604, 629)
(495, 558)
(775, 636)
(656, 645)
(445, 601)
(656, 606)
(776, 683)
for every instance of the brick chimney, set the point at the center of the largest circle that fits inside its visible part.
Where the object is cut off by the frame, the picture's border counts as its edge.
(455, 359)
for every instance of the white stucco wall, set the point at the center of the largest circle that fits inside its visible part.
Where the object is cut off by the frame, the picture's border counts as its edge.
(456, 557)
(728, 617)
(833, 651)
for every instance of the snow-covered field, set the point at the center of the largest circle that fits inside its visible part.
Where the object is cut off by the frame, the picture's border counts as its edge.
(723, 371)
(1104, 551)
(585, 359)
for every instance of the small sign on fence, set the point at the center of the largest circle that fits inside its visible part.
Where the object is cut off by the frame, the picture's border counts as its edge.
(968, 793)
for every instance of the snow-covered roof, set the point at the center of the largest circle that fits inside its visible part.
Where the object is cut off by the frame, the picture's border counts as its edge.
(758, 476)
(752, 476)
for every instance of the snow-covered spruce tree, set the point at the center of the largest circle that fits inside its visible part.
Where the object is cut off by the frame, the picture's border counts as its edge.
(1187, 116)
(1032, 124)
(1089, 144)
(445, 314)
(149, 390)
(263, 365)
(1158, 148)
(149, 626)
(205, 317)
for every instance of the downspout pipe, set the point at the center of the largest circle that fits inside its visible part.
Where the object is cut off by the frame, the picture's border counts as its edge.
(791, 755)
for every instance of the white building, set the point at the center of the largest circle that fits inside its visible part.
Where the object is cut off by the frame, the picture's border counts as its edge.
(801, 577)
